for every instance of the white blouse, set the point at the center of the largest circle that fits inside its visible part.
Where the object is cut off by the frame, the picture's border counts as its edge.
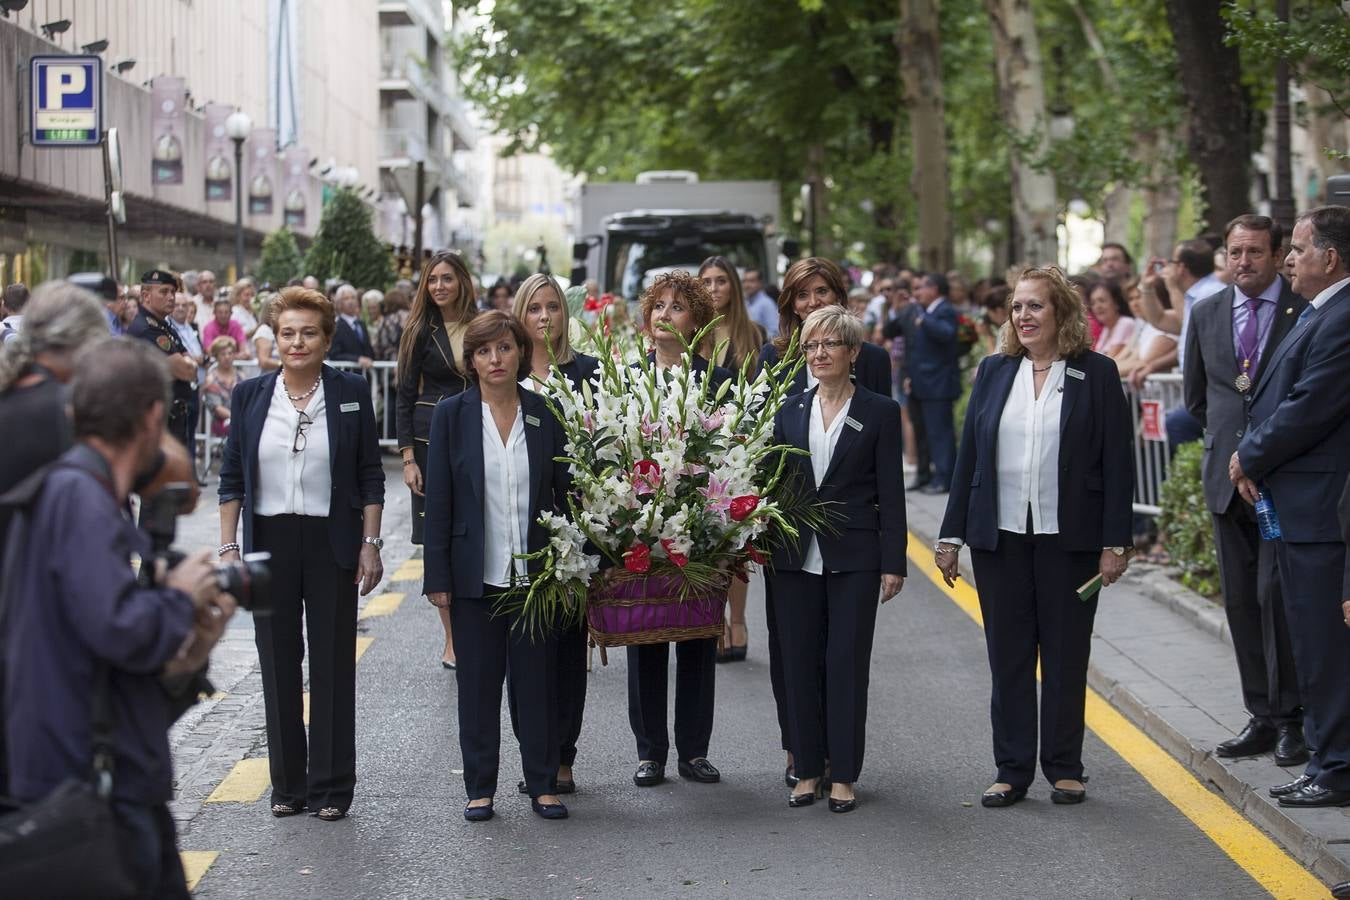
(822, 441)
(1028, 452)
(506, 499)
(290, 482)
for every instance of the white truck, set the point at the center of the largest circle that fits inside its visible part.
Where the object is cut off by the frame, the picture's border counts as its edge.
(629, 233)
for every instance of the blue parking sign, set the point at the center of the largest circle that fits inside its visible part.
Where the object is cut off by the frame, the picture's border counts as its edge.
(65, 101)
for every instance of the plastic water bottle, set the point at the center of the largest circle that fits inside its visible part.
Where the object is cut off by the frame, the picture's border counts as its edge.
(1266, 518)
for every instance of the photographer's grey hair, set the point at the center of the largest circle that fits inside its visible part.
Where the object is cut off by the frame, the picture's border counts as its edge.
(60, 318)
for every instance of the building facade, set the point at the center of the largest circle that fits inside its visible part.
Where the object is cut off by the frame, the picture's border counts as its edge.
(304, 71)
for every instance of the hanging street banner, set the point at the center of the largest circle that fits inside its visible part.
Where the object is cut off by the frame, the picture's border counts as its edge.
(166, 123)
(219, 153)
(296, 162)
(262, 170)
(65, 101)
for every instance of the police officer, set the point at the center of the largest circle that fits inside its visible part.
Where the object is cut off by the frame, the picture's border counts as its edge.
(152, 324)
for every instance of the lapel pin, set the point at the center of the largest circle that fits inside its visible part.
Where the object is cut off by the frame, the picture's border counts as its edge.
(1289, 311)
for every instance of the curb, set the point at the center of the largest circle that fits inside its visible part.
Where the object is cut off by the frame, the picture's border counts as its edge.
(1312, 850)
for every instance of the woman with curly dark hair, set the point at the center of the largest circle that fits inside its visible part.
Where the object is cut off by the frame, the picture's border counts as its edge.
(674, 309)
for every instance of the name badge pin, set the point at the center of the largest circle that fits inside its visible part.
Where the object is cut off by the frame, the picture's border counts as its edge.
(853, 423)
(531, 420)
(1074, 373)
(349, 407)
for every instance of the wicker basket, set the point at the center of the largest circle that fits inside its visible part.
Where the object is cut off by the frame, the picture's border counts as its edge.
(623, 609)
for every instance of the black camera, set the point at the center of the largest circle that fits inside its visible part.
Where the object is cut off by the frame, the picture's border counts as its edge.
(247, 581)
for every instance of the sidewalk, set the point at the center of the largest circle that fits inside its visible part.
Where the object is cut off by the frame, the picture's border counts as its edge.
(1162, 656)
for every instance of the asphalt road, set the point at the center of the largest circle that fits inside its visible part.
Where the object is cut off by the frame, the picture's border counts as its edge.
(918, 832)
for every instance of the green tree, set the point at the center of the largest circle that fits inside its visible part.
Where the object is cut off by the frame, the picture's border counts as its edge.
(281, 258)
(346, 246)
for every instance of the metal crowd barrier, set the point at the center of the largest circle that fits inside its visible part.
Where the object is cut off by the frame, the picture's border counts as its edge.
(1149, 406)
(383, 387)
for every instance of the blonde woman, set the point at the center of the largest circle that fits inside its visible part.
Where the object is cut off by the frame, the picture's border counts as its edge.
(539, 306)
(241, 298)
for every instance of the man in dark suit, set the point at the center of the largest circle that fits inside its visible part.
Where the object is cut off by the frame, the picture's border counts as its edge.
(351, 342)
(1296, 452)
(1231, 334)
(933, 380)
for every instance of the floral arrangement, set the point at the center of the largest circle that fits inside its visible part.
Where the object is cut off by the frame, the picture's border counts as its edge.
(669, 476)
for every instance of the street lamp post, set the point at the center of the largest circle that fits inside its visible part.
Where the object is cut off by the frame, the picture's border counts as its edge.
(238, 126)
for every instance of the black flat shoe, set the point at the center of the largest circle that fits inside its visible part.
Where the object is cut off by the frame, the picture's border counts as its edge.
(799, 800)
(478, 813)
(1067, 796)
(282, 810)
(649, 774)
(843, 806)
(447, 665)
(1289, 787)
(699, 770)
(789, 777)
(548, 810)
(996, 799)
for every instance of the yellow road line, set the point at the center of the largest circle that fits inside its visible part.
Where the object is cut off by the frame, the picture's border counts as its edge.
(245, 783)
(195, 864)
(1244, 843)
(362, 645)
(381, 605)
(409, 571)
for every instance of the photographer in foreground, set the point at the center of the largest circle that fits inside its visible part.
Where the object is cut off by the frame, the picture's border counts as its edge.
(74, 634)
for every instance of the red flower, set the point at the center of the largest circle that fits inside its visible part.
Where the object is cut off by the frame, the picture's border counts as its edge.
(646, 477)
(592, 304)
(742, 507)
(755, 554)
(638, 558)
(676, 557)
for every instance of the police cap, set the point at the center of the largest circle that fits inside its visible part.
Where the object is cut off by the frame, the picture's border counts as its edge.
(159, 276)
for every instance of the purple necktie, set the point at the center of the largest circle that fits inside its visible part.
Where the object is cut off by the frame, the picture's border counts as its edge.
(1249, 349)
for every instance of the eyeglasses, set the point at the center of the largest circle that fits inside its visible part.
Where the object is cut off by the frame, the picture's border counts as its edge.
(810, 348)
(299, 443)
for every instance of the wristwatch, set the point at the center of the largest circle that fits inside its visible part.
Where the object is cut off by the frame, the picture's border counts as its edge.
(378, 543)
(1118, 551)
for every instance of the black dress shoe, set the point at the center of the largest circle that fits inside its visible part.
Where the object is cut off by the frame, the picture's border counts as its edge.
(699, 770)
(548, 810)
(1341, 890)
(1290, 748)
(649, 774)
(1314, 795)
(799, 800)
(1289, 787)
(1256, 738)
(843, 806)
(995, 799)
(478, 813)
(789, 777)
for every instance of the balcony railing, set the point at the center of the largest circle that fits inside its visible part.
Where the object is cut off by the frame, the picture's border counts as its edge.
(416, 12)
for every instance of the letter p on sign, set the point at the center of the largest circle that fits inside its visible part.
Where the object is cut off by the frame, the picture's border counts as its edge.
(63, 82)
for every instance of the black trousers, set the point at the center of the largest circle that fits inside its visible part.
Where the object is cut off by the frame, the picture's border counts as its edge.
(489, 649)
(149, 846)
(648, 690)
(777, 680)
(569, 677)
(939, 437)
(843, 606)
(1311, 576)
(1250, 578)
(308, 584)
(924, 469)
(1028, 595)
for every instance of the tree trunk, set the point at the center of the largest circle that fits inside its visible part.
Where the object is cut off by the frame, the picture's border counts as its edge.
(1021, 86)
(1162, 196)
(1116, 214)
(1327, 128)
(917, 39)
(817, 202)
(1217, 108)
(1282, 208)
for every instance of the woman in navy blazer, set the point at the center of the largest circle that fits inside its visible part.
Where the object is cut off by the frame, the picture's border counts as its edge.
(302, 468)
(482, 510)
(828, 582)
(674, 309)
(808, 285)
(540, 307)
(1042, 495)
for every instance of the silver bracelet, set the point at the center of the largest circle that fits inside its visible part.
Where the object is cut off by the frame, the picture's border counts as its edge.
(231, 547)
